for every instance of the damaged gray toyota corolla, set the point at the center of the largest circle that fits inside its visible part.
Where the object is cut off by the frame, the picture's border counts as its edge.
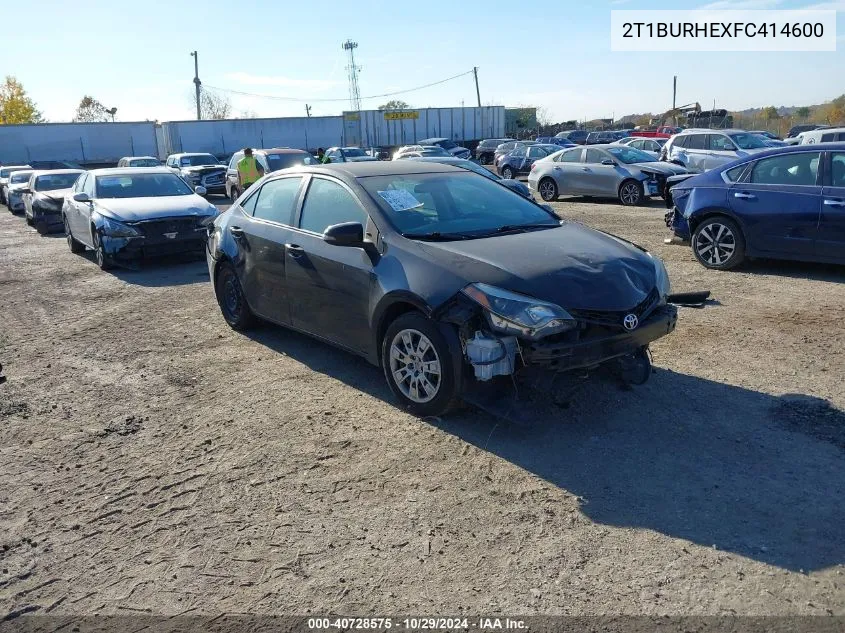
(440, 276)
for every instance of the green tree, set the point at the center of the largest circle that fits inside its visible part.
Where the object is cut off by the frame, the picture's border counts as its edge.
(770, 113)
(394, 104)
(90, 110)
(15, 104)
(803, 113)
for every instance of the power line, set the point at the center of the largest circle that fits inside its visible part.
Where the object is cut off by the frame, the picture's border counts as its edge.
(312, 99)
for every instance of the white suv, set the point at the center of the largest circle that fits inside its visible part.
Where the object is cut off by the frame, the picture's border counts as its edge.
(703, 150)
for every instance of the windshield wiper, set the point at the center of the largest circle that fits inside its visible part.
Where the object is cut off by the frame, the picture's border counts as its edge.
(507, 228)
(436, 236)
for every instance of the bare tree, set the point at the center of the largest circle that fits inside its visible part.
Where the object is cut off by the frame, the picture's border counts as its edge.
(212, 105)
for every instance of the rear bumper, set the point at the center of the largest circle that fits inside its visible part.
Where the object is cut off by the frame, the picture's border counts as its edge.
(677, 223)
(567, 356)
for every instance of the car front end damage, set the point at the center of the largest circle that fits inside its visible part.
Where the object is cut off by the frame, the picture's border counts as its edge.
(47, 213)
(533, 342)
(14, 200)
(128, 242)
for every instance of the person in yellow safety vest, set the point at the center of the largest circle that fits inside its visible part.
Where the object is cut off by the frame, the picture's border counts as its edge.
(321, 156)
(249, 170)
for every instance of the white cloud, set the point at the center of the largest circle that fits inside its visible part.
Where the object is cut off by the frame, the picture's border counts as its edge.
(838, 5)
(742, 4)
(248, 79)
(618, 2)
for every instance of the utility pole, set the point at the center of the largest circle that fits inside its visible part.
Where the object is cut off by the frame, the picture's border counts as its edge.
(674, 90)
(477, 93)
(308, 116)
(197, 82)
(308, 110)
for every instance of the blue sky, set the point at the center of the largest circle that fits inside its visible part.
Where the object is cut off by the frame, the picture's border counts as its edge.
(552, 53)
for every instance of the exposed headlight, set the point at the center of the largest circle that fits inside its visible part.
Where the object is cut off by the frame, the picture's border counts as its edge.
(512, 313)
(113, 228)
(664, 286)
(47, 203)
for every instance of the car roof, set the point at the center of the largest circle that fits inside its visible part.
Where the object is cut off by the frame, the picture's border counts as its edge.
(826, 130)
(433, 139)
(789, 149)
(193, 154)
(15, 166)
(374, 168)
(138, 157)
(444, 160)
(42, 172)
(705, 130)
(130, 171)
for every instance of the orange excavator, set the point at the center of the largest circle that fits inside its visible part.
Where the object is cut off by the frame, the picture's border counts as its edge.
(666, 125)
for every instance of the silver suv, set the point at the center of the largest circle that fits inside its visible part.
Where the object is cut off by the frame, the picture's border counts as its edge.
(702, 150)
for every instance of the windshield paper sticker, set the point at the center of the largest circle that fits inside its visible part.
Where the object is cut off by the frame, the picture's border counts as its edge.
(400, 200)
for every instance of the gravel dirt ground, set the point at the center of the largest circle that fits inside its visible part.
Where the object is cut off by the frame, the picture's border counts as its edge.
(154, 461)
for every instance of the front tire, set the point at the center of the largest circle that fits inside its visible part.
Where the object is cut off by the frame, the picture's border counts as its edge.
(631, 193)
(547, 188)
(231, 299)
(73, 245)
(718, 243)
(104, 261)
(419, 367)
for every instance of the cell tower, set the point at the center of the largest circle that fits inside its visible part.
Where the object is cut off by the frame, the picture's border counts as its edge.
(354, 92)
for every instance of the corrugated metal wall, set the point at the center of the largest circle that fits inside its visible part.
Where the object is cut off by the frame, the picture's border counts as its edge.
(228, 136)
(79, 142)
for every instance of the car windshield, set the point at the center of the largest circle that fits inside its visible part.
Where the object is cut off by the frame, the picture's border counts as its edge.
(196, 160)
(51, 182)
(748, 141)
(630, 155)
(435, 151)
(144, 162)
(453, 205)
(447, 144)
(4, 173)
(18, 177)
(275, 162)
(354, 152)
(141, 186)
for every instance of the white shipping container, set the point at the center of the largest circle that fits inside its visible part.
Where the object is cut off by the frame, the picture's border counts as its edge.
(402, 127)
(84, 143)
(224, 137)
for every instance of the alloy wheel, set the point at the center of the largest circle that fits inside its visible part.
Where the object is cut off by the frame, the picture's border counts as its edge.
(231, 297)
(415, 365)
(630, 193)
(69, 236)
(715, 244)
(547, 190)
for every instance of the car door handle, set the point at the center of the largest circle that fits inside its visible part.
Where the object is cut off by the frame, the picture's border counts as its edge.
(557, 169)
(835, 203)
(585, 169)
(744, 196)
(236, 231)
(295, 250)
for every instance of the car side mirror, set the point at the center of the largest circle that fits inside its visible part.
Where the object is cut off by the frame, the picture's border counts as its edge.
(81, 197)
(345, 234)
(200, 190)
(607, 161)
(25, 190)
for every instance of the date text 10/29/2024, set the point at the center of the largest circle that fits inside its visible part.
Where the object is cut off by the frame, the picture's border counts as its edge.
(416, 624)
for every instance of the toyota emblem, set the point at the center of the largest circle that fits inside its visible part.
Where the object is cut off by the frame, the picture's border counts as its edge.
(630, 322)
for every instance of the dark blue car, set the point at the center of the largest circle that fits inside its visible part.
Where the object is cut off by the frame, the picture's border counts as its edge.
(554, 140)
(783, 203)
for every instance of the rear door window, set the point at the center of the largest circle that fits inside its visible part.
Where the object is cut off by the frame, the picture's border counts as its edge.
(594, 156)
(837, 170)
(789, 169)
(570, 156)
(720, 143)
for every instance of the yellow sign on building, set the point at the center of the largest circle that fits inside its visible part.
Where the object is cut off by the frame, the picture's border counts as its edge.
(393, 115)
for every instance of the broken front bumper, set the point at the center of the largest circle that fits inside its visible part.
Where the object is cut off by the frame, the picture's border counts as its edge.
(50, 218)
(565, 355)
(125, 249)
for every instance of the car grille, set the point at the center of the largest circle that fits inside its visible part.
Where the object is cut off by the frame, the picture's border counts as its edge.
(614, 318)
(157, 228)
(213, 180)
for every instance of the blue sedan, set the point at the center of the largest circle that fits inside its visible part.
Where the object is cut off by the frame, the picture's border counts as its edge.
(783, 203)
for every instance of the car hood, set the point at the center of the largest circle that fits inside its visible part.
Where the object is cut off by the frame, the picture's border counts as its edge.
(662, 167)
(17, 186)
(360, 159)
(573, 266)
(457, 150)
(140, 209)
(56, 194)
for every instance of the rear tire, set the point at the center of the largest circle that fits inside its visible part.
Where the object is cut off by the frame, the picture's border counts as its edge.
(631, 193)
(718, 243)
(231, 299)
(75, 247)
(547, 188)
(29, 221)
(419, 366)
(507, 173)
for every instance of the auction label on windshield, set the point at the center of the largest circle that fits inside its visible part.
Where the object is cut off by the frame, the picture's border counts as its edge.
(718, 30)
